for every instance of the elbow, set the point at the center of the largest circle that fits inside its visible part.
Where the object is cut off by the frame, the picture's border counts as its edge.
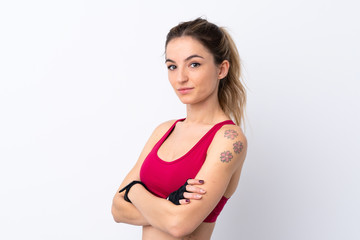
(115, 215)
(117, 220)
(180, 228)
(117, 211)
(180, 232)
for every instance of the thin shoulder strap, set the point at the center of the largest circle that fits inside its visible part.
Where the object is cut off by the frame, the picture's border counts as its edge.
(169, 131)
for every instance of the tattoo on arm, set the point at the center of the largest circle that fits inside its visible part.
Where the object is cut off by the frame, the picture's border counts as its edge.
(230, 134)
(238, 147)
(226, 156)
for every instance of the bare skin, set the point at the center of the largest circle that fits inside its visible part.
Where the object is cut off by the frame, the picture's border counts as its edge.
(169, 151)
(192, 67)
(204, 230)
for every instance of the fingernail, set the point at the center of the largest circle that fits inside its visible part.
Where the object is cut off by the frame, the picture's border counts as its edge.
(201, 181)
(187, 200)
(202, 190)
(198, 196)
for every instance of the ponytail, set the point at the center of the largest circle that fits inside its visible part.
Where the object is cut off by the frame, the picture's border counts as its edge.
(232, 93)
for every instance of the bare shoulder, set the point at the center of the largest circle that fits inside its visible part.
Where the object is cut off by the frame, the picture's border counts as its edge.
(161, 129)
(229, 146)
(156, 135)
(165, 125)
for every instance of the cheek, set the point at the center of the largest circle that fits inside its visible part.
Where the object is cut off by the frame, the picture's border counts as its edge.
(209, 79)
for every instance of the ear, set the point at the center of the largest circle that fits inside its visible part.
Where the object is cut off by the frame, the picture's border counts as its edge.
(223, 69)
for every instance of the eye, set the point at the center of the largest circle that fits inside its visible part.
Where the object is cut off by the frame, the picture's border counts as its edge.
(171, 67)
(194, 65)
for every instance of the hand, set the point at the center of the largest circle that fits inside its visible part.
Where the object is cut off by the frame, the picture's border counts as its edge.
(192, 191)
(187, 191)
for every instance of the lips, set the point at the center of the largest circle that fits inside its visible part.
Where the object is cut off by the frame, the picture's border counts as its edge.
(184, 90)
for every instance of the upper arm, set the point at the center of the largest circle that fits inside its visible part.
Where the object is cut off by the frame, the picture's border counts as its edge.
(134, 173)
(123, 211)
(225, 156)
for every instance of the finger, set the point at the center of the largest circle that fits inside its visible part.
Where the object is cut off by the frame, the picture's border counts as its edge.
(194, 189)
(184, 201)
(188, 195)
(195, 181)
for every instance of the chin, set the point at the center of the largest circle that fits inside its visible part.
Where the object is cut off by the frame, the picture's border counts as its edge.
(188, 100)
(185, 101)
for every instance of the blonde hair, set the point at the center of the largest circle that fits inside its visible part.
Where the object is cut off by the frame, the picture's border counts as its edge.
(231, 92)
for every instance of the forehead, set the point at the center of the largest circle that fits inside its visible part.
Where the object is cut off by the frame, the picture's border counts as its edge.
(182, 47)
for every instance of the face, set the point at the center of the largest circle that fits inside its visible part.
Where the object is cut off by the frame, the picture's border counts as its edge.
(192, 71)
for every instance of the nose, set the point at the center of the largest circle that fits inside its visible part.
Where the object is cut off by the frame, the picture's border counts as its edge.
(182, 75)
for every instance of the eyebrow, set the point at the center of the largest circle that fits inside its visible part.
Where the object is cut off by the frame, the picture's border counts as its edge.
(186, 59)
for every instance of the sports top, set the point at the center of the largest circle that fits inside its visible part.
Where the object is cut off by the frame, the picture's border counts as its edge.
(162, 177)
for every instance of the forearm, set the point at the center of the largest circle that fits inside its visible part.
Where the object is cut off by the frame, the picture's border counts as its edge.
(125, 212)
(159, 213)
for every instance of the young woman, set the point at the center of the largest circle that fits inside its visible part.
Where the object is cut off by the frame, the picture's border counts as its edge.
(197, 160)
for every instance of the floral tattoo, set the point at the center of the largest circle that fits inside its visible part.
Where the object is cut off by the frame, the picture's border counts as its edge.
(238, 147)
(226, 156)
(230, 134)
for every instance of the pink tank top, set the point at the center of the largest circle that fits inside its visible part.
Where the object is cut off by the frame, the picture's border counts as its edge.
(162, 178)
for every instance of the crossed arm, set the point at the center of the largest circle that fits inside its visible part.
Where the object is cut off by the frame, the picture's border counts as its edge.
(225, 155)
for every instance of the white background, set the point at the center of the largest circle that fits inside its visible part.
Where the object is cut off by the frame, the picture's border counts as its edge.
(83, 84)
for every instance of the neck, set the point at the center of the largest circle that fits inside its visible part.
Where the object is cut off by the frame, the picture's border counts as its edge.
(206, 112)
